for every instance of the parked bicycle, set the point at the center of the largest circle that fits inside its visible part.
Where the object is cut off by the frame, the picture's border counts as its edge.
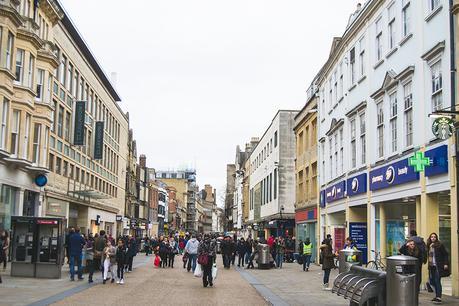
(377, 263)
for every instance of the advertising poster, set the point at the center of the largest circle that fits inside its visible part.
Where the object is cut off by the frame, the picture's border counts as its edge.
(395, 237)
(358, 233)
(339, 238)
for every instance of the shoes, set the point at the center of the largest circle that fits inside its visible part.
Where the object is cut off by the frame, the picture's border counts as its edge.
(211, 284)
(122, 281)
(80, 278)
(325, 287)
(436, 300)
(118, 281)
(307, 269)
(104, 281)
(429, 287)
(90, 281)
(113, 280)
(72, 279)
(205, 285)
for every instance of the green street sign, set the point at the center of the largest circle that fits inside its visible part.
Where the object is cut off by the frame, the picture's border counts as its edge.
(419, 161)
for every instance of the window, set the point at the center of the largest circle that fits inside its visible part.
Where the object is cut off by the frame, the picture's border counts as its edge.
(81, 89)
(380, 128)
(45, 146)
(408, 106)
(58, 165)
(353, 144)
(67, 126)
(30, 72)
(4, 123)
(60, 121)
(36, 143)
(20, 65)
(275, 139)
(75, 85)
(330, 95)
(336, 154)
(391, 26)
(341, 81)
(341, 150)
(362, 138)
(15, 132)
(48, 88)
(9, 51)
(25, 154)
(379, 47)
(434, 4)
(393, 120)
(62, 70)
(40, 83)
(330, 150)
(24, 8)
(437, 87)
(69, 79)
(406, 18)
(275, 184)
(362, 57)
(352, 67)
(335, 86)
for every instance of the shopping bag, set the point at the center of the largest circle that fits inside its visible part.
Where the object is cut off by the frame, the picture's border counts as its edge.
(198, 271)
(214, 272)
(157, 261)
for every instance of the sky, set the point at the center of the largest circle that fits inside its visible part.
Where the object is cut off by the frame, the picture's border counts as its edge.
(200, 77)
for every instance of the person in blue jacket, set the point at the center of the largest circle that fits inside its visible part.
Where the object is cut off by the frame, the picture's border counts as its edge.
(76, 244)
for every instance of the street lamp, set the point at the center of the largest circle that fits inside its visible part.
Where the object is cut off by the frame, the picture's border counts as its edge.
(281, 209)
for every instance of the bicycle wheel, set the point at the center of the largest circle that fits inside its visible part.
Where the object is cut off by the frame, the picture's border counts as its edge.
(372, 265)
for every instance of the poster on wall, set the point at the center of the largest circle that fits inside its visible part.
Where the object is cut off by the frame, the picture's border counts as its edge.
(339, 238)
(358, 233)
(395, 234)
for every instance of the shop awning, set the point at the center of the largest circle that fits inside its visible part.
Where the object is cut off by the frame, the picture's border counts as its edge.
(90, 194)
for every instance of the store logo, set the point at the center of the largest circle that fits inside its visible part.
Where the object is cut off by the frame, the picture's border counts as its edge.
(390, 175)
(334, 192)
(443, 128)
(355, 184)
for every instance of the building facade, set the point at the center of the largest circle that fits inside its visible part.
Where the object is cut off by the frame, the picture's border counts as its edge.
(272, 179)
(384, 76)
(230, 212)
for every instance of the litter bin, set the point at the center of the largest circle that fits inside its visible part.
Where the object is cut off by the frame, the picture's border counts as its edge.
(348, 258)
(402, 281)
(264, 257)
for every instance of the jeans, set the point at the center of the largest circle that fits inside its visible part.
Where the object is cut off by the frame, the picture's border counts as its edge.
(129, 263)
(77, 259)
(226, 260)
(240, 259)
(171, 258)
(90, 266)
(435, 280)
(326, 276)
(279, 260)
(207, 272)
(108, 267)
(306, 261)
(192, 262)
(247, 257)
(120, 271)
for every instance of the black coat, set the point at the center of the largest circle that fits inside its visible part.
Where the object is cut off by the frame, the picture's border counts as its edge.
(441, 256)
(121, 255)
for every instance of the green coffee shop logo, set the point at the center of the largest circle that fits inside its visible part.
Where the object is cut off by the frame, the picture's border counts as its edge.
(443, 128)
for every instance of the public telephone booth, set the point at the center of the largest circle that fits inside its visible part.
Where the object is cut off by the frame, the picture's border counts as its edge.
(37, 247)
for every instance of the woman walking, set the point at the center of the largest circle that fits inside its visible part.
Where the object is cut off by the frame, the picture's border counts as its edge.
(206, 256)
(89, 255)
(163, 250)
(280, 251)
(327, 261)
(438, 265)
(120, 261)
(109, 260)
(5, 244)
(173, 250)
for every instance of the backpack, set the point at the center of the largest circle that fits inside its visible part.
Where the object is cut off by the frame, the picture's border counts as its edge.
(422, 249)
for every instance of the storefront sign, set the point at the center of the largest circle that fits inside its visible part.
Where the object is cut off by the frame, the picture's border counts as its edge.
(395, 235)
(419, 162)
(305, 215)
(358, 233)
(41, 180)
(356, 185)
(338, 238)
(46, 222)
(443, 128)
(99, 140)
(438, 159)
(322, 198)
(393, 174)
(78, 135)
(335, 192)
(119, 218)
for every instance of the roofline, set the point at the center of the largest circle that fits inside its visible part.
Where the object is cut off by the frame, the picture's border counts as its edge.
(83, 46)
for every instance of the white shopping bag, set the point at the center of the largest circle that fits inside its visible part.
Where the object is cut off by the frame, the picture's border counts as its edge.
(198, 271)
(214, 272)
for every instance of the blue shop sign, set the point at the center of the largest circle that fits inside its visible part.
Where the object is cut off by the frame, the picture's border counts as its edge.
(438, 161)
(335, 192)
(322, 198)
(356, 185)
(392, 174)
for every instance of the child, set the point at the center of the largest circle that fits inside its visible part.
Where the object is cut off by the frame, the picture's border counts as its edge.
(109, 260)
(120, 261)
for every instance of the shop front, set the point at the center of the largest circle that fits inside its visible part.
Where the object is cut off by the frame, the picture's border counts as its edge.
(306, 223)
(8, 206)
(334, 220)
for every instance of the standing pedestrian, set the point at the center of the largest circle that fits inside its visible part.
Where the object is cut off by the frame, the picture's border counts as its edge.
(241, 250)
(76, 244)
(233, 250)
(280, 251)
(4, 247)
(307, 253)
(327, 261)
(226, 252)
(163, 251)
(70, 232)
(99, 245)
(438, 265)
(109, 260)
(206, 251)
(422, 247)
(173, 250)
(192, 249)
(120, 261)
(89, 255)
(248, 250)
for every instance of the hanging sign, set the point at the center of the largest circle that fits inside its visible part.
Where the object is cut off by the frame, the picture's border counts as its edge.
(419, 161)
(443, 127)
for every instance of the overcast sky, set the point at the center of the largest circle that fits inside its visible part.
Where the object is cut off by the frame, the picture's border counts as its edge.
(199, 77)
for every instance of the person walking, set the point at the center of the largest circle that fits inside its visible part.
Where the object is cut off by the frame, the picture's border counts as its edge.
(4, 247)
(226, 252)
(248, 250)
(438, 265)
(70, 232)
(120, 257)
(241, 250)
(173, 250)
(280, 252)
(307, 253)
(191, 249)
(411, 249)
(89, 255)
(131, 252)
(206, 254)
(109, 259)
(163, 251)
(76, 244)
(99, 245)
(327, 261)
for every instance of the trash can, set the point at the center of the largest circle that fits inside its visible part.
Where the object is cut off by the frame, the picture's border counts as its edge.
(348, 258)
(402, 281)
(264, 257)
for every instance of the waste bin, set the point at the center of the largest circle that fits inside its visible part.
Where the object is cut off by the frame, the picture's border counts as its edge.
(264, 257)
(402, 281)
(348, 258)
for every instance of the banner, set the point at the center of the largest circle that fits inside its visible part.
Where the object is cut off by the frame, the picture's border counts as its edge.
(78, 130)
(395, 237)
(99, 140)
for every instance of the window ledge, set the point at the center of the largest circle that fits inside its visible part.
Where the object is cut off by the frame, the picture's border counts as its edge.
(352, 87)
(433, 13)
(329, 112)
(389, 54)
(341, 99)
(362, 78)
(379, 63)
(405, 39)
(408, 149)
(336, 104)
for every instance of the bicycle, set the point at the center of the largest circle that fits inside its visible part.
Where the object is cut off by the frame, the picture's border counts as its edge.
(376, 264)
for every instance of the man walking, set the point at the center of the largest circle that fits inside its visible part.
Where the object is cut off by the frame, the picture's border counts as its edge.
(76, 244)
(99, 245)
(192, 249)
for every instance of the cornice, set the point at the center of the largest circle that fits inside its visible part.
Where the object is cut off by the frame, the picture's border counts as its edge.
(11, 13)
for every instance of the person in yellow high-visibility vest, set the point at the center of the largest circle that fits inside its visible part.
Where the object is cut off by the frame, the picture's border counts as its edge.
(307, 253)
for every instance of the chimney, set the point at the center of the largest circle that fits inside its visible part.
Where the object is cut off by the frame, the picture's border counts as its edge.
(143, 161)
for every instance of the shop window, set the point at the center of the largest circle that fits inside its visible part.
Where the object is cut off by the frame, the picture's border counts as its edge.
(8, 197)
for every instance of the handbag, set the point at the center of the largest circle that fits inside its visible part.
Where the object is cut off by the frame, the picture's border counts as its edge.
(198, 271)
(203, 259)
(445, 272)
(157, 261)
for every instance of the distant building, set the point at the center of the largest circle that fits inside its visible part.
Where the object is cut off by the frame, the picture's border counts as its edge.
(230, 214)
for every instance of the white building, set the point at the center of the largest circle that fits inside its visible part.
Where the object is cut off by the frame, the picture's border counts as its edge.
(384, 76)
(272, 178)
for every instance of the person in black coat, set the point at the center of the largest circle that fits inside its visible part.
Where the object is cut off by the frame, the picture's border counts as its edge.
(121, 258)
(438, 264)
(226, 252)
(131, 252)
(241, 249)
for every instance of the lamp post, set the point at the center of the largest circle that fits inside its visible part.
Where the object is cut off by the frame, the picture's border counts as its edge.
(279, 225)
